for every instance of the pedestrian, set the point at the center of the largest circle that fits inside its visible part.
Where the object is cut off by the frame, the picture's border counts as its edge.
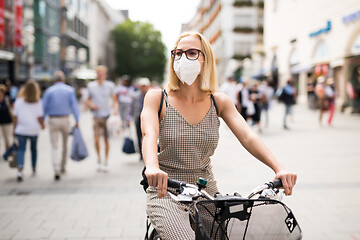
(124, 92)
(101, 91)
(312, 99)
(187, 123)
(330, 96)
(59, 101)
(84, 96)
(5, 117)
(356, 88)
(266, 96)
(320, 94)
(137, 106)
(12, 91)
(28, 120)
(288, 96)
(245, 106)
(255, 96)
(229, 88)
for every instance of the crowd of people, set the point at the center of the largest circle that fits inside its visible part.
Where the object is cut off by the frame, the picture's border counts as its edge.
(254, 98)
(26, 111)
(250, 98)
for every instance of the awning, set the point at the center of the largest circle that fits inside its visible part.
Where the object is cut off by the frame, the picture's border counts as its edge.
(299, 68)
(83, 73)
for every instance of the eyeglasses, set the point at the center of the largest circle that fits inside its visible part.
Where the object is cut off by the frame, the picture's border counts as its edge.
(191, 54)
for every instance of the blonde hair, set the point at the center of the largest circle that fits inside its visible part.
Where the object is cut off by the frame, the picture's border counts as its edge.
(208, 77)
(31, 92)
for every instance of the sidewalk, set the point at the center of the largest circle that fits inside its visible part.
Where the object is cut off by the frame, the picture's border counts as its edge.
(87, 204)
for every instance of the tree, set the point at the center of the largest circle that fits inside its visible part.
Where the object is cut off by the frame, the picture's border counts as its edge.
(139, 51)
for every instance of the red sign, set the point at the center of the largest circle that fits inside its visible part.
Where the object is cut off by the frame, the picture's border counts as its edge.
(18, 22)
(2, 19)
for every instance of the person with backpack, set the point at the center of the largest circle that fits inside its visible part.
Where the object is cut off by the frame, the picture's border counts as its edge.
(288, 96)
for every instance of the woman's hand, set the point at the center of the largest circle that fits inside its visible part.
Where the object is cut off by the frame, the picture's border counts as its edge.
(288, 180)
(158, 179)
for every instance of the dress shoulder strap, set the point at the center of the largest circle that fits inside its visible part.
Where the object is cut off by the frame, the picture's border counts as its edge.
(163, 93)
(213, 99)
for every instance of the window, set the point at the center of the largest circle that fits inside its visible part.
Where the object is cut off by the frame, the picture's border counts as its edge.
(53, 20)
(243, 48)
(321, 50)
(244, 20)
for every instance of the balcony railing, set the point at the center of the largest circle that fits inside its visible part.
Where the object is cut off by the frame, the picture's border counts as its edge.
(243, 4)
(241, 56)
(243, 30)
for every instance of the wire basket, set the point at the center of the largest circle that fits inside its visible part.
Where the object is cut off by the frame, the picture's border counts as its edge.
(260, 219)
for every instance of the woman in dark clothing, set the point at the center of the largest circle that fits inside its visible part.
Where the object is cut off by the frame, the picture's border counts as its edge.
(5, 116)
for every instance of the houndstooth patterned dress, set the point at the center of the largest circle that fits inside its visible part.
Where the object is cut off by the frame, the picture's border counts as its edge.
(185, 151)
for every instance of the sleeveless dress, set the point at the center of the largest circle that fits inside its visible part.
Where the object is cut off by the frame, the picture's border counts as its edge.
(185, 151)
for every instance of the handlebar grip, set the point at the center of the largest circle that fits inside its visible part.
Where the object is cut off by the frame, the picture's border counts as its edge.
(276, 183)
(174, 183)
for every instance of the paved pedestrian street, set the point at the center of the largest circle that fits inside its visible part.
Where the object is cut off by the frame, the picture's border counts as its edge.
(87, 204)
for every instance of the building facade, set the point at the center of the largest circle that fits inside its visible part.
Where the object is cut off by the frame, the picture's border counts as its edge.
(7, 33)
(306, 39)
(103, 21)
(47, 38)
(235, 30)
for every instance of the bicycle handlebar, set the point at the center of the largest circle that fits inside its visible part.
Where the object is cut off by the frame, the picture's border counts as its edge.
(275, 184)
(175, 183)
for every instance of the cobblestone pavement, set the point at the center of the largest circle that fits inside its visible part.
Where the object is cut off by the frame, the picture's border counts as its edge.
(87, 204)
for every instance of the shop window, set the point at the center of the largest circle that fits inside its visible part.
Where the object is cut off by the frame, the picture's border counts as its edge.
(294, 57)
(355, 48)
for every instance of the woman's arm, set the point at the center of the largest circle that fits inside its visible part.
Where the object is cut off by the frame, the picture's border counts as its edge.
(41, 122)
(252, 142)
(150, 131)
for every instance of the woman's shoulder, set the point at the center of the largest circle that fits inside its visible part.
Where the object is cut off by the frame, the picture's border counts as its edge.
(154, 94)
(221, 98)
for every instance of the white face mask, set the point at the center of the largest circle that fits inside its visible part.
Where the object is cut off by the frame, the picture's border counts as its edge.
(187, 70)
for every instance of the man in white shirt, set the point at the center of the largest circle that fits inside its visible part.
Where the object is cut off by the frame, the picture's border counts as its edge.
(229, 88)
(124, 95)
(101, 91)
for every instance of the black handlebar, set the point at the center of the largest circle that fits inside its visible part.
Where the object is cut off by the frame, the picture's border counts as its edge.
(175, 184)
(276, 183)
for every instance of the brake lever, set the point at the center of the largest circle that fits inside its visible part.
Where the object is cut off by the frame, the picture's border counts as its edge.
(273, 194)
(189, 193)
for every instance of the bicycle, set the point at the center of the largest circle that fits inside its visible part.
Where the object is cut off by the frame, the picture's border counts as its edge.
(258, 215)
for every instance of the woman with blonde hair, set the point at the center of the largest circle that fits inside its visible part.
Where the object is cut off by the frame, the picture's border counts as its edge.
(185, 118)
(28, 120)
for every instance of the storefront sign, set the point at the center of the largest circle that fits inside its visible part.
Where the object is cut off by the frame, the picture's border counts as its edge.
(18, 22)
(2, 19)
(321, 30)
(351, 18)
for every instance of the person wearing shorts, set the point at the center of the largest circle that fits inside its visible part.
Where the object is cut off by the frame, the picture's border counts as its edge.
(100, 93)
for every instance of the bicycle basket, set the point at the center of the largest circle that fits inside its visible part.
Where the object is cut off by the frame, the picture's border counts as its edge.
(260, 219)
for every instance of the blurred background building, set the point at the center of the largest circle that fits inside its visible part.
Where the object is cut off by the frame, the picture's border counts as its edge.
(235, 30)
(306, 39)
(38, 37)
(7, 33)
